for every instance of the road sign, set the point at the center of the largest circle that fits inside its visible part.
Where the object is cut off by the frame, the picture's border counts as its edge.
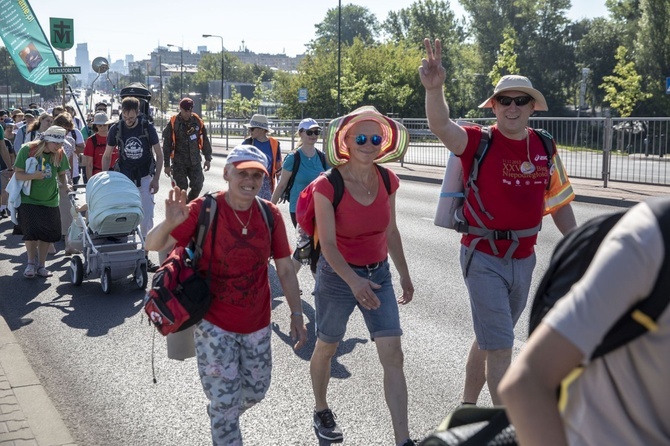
(667, 85)
(62, 33)
(64, 70)
(302, 95)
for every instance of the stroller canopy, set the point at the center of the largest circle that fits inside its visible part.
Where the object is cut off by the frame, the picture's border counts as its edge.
(114, 204)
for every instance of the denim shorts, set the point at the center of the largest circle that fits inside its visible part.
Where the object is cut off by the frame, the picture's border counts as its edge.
(498, 291)
(335, 302)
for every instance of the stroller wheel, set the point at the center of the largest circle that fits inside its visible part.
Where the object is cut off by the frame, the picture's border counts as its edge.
(76, 270)
(106, 281)
(141, 277)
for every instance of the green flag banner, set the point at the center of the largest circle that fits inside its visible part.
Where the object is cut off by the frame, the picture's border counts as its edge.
(25, 40)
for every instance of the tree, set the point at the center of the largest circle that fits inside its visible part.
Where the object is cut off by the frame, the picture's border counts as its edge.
(596, 49)
(623, 89)
(237, 106)
(433, 19)
(652, 53)
(357, 21)
(506, 61)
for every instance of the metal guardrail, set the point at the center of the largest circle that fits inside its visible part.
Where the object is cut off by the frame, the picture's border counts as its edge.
(632, 150)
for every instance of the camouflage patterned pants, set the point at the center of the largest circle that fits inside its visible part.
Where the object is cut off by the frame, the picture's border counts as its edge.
(235, 374)
(189, 176)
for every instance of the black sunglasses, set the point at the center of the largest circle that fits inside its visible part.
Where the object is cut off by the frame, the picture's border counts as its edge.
(316, 132)
(519, 100)
(374, 139)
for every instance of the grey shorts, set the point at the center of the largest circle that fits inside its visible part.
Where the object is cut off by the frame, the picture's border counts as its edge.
(335, 302)
(498, 291)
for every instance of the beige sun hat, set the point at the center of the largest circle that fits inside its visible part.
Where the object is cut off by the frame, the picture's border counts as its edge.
(513, 82)
(102, 119)
(259, 121)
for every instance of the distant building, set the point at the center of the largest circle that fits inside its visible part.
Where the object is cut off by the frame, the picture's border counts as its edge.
(82, 60)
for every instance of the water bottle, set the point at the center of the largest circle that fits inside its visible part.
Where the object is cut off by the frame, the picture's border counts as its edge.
(303, 246)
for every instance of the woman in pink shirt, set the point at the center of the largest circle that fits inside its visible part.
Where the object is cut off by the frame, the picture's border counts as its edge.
(353, 270)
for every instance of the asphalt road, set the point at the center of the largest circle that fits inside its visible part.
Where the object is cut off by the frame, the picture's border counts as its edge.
(93, 352)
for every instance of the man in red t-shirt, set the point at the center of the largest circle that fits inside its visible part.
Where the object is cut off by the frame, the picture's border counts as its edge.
(232, 342)
(517, 184)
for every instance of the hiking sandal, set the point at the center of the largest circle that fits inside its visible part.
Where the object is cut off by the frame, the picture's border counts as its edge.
(43, 272)
(29, 271)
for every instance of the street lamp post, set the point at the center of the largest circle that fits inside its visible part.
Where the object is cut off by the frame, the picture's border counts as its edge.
(222, 76)
(181, 69)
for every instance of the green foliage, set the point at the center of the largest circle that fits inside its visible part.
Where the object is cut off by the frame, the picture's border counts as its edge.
(433, 19)
(238, 106)
(506, 61)
(623, 90)
(357, 21)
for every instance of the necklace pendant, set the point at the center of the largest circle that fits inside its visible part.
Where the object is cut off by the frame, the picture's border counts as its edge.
(527, 168)
(244, 231)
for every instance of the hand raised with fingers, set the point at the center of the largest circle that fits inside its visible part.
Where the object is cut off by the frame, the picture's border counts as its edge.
(176, 211)
(431, 71)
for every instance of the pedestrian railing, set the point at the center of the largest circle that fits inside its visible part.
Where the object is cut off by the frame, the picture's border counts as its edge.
(633, 150)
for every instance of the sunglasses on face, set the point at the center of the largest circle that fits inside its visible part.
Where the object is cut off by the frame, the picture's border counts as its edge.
(316, 132)
(374, 139)
(519, 100)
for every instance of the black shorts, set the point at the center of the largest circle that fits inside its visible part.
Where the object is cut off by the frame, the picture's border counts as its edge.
(39, 223)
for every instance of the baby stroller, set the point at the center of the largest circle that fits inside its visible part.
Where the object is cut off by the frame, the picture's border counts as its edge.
(109, 238)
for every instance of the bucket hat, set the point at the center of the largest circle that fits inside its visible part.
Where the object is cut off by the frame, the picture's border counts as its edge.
(54, 133)
(515, 82)
(395, 137)
(259, 121)
(102, 119)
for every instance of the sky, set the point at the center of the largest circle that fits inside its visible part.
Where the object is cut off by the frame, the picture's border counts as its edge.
(120, 27)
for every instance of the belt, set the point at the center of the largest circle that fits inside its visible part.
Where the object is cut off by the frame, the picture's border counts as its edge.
(370, 266)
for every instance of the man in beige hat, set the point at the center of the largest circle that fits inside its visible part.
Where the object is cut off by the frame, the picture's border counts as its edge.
(519, 182)
(259, 128)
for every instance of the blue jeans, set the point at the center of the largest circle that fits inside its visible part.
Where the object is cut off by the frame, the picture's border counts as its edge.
(335, 302)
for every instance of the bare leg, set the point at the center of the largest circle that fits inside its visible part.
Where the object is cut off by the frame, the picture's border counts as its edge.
(319, 369)
(31, 251)
(497, 363)
(391, 357)
(475, 373)
(42, 250)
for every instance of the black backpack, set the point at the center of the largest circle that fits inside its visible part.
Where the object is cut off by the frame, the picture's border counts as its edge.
(296, 165)
(570, 260)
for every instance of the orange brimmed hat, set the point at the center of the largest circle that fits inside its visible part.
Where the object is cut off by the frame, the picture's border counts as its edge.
(395, 137)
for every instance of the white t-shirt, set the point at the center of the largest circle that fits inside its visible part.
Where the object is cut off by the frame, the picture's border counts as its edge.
(624, 396)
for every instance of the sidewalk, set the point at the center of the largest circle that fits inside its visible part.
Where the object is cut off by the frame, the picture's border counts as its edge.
(27, 415)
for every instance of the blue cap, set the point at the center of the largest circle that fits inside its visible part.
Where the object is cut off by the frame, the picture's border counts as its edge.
(246, 156)
(9, 121)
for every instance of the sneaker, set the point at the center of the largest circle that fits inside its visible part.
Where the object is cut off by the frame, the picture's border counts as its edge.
(4, 213)
(325, 426)
(409, 442)
(151, 266)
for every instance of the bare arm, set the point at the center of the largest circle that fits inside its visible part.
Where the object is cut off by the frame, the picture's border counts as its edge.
(89, 166)
(289, 283)
(107, 157)
(528, 389)
(433, 75)
(155, 181)
(398, 255)
(283, 182)
(176, 212)
(564, 218)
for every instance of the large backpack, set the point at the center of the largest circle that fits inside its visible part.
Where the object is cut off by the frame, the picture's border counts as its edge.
(572, 257)
(296, 165)
(305, 209)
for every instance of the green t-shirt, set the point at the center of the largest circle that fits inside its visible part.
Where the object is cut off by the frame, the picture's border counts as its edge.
(42, 192)
(2, 133)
